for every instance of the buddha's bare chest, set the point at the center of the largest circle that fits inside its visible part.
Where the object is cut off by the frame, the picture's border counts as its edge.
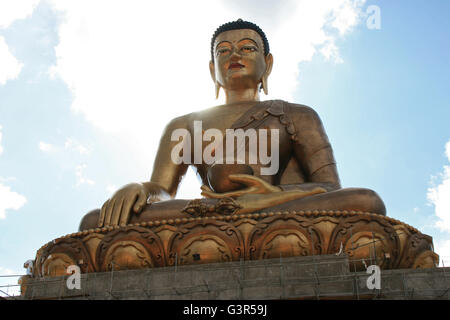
(221, 120)
(224, 121)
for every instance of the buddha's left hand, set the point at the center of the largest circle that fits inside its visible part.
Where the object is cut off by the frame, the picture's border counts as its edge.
(254, 185)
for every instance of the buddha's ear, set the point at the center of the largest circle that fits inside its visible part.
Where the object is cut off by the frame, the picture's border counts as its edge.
(269, 64)
(212, 70)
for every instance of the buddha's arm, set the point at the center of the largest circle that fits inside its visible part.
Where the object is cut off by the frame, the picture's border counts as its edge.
(166, 172)
(313, 152)
(163, 185)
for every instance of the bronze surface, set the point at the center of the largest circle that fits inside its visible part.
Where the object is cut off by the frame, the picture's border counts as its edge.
(230, 237)
(299, 210)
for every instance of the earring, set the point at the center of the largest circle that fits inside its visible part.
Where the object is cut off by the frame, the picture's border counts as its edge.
(264, 85)
(217, 89)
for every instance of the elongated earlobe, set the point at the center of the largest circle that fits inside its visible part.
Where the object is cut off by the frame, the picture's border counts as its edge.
(269, 64)
(217, 89)
(213, 77)
(264, 85)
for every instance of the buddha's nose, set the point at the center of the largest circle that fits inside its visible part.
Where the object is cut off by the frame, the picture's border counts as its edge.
(235, 56)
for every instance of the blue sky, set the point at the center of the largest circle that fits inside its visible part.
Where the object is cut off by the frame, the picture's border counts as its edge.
(98, 81)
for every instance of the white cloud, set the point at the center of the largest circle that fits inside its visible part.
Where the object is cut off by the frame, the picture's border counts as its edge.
(447, 150)
(7, 272)
(346, 15)
(81, 177)
(9, 66)
(442, 248)
(72, 144)
(137, 64)
(7, 179)
(46, 147)
(1, 135)
(9, 200)
(331, 52)
(439, 195)
(111, 188)
(144, 57)
(66, 156)
(307, 29)
(11, 10)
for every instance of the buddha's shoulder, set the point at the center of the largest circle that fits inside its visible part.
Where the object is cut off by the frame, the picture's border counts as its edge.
(179, 122)
(298, 109)
(293, 109)
(185, 120)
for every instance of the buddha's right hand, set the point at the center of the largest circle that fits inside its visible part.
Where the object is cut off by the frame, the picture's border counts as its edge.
(131, 198)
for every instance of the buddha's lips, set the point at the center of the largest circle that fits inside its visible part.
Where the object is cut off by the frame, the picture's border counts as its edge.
(236, 66)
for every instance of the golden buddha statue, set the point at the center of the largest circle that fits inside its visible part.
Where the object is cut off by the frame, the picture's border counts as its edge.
(275, 192)
(306, 178)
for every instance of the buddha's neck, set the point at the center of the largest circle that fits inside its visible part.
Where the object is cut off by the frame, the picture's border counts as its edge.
(236, 96)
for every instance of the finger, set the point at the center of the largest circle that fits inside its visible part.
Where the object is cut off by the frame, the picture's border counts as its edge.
(206, 188)
(140, 202)
(259, 185)
(240, 192)
(236, 193)
(101, 219)
(126, 208)
(210, 194)
(117, 212)
(109, 211)
(245, 179)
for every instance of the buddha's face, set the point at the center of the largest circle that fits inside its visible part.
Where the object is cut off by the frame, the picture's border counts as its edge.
(239, 61)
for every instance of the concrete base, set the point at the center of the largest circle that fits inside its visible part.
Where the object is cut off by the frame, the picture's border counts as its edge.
(311, 277)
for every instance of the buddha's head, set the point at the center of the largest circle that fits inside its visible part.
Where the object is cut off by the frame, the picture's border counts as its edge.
(240, 57)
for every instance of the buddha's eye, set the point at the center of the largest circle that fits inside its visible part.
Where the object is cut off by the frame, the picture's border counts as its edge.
(248, 49)
(222, 50)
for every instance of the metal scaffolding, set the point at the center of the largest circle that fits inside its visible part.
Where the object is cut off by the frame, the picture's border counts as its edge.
(352, 284)
(352, 280)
